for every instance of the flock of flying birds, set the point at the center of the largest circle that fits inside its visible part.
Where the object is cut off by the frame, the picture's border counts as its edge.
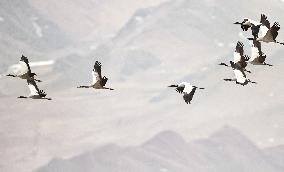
(261, 32)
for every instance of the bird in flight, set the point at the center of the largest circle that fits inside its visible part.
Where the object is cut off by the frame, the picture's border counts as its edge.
(240, 76)
(187, 90)
(24, 70)
(261, 31)
(99, 82)
(257, 28)
(257, 56)
(35, 92)
(239, 58)
(270, 35)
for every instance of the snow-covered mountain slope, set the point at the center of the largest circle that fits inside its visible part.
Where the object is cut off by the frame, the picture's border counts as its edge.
(196, 33)
(226, 150)
(24, 30)
(90, 20)
(275, 155)
(45, 29)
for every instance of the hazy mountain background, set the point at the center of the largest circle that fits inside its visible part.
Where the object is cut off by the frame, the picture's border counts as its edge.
(225, 150)
(144, 46)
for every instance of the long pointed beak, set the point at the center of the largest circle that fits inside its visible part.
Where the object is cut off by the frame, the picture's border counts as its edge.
(223, 64)
(198, 87)
(237, 23)
(172, 86)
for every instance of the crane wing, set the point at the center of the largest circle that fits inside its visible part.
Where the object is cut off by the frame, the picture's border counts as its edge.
(180, 88)
(237, 57)
(255, 50)
(188, 96)
(97, 72)
(29, 68)
(263, 31)
(272, 33)
(21, 69)
(240, 48)
(96, 77)
(103, 81)
(239, 52)
(34, 90)
(274, 30)
(254, 53)
(33, 87)
(264, 21)
(188, 88)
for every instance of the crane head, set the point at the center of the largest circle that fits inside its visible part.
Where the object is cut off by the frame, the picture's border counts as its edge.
(24, 58)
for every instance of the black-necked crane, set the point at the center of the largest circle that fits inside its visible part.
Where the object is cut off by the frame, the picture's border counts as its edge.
(247, 23)
(270, 35)
(35, 92)
(239, 58)
(99, 82)
(240, 76)
(256, 27)
(257, 56)
(259, 30)
(24, 70)
(187, 90)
